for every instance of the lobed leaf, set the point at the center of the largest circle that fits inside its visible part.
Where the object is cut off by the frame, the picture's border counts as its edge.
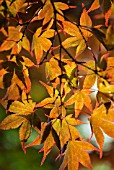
(101, 120)
(75, 153)
(11, 121)
(22, 108)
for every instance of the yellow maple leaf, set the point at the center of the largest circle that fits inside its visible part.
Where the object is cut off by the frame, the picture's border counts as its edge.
(101, 121)
(76, 153)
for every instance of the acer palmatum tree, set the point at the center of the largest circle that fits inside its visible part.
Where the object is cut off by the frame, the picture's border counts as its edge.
(43, 30)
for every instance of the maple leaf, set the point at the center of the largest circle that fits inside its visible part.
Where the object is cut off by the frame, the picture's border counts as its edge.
(41, 42)
(105, 37)
(25, 107)
(45, 137)
(11, 121)
(110, 66)
(77, 152)
(57, 135)
(15, 77)
(43, 134)
(110, 36)
(80, 98)
(52, 69)
(14, 35)
(66, 129)
(79, 34)
(53, 102)
(24, 42)
(85, 20)
(90, 77)
(48, 102)
(48, 144)
(15, 6)
(24, 133)
(101, 121)
(14, 121)
(47, 13)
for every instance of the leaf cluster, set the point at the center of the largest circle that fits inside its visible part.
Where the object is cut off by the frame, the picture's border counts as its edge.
(69, 80)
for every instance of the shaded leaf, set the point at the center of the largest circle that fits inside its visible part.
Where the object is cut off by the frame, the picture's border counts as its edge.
(46, 132)
(101, 36)
(7, 79)
(36, 123)
(56, 138)
(48, 144)
(66, 129)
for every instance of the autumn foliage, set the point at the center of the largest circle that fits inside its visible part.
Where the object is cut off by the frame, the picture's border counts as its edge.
(69, 77)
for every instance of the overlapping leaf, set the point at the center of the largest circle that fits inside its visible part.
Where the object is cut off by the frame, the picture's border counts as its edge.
(80, 35)
(41, 42)
(14, 35)
(47, 13)
(80, 98)
(69, 80)
(25, 107)
(15, 6)
(15, 75)
(68, 123)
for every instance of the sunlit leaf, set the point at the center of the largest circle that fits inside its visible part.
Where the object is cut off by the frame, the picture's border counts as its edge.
(85, 20)
(80, 98)
(14, 35)
(70, 42)
(15, 6)
(89, 80)
(81, 47)
(104, 87)
(12, 121)
(77, 152)
(101, 120)
(41, 43)
(71, 29)
(48, 144)
(95, 5)
(23, 108)
(24, 131)
(70, 132)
